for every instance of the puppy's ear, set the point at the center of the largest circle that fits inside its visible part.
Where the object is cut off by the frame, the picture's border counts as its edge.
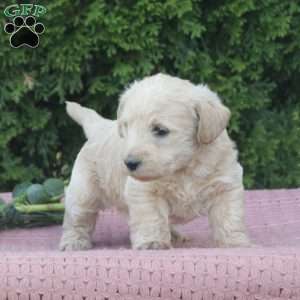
(120, 108)
(212, 115)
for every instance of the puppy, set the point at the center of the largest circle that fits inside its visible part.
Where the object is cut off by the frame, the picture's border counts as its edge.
(166, 159)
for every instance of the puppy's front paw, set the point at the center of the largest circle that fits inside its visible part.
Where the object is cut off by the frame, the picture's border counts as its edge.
(75, 244)
(153, 246)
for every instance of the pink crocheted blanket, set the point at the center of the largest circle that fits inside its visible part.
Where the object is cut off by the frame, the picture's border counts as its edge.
(32, 268)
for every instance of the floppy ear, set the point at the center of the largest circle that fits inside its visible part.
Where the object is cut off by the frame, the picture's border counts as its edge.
(213, 116)
(120, 108)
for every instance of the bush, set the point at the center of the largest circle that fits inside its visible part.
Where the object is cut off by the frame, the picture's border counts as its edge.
(247, 50)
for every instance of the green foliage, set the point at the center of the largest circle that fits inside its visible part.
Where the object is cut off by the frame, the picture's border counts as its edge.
(36, 193)
(20, 189)
(54, 187)
(33, 205)
(247, 50)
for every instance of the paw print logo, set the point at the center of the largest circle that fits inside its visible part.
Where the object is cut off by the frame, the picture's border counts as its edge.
(24, 32)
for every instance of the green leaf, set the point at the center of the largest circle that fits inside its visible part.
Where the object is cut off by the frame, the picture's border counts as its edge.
(20, 189)
(36, 193)
(54, 187)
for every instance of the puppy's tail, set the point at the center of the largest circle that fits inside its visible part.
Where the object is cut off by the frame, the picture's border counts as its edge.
(87, 118)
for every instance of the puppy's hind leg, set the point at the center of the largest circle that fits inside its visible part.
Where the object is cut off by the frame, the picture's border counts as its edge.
(77, 231)
(82, 207)
(226, 218)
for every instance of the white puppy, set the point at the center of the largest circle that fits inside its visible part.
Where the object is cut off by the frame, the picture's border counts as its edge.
(167, 157)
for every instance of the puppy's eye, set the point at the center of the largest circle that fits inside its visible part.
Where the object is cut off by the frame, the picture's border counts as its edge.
(160, 131)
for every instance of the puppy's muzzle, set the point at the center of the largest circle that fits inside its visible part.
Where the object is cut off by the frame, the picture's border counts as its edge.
(132, 163)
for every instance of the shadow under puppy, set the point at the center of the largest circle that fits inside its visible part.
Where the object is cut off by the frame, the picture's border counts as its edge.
(166, 159)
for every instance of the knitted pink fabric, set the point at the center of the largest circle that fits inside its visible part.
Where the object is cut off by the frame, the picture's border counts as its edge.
(31, 268)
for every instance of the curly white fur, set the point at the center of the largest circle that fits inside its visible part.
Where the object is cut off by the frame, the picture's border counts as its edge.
(190, 170)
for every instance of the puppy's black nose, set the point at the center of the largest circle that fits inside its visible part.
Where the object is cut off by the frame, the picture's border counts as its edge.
(132, 164)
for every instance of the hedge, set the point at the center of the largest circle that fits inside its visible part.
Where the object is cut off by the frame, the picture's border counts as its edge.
(246, 50)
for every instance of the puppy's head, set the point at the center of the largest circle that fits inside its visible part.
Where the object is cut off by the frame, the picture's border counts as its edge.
(163, 121)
